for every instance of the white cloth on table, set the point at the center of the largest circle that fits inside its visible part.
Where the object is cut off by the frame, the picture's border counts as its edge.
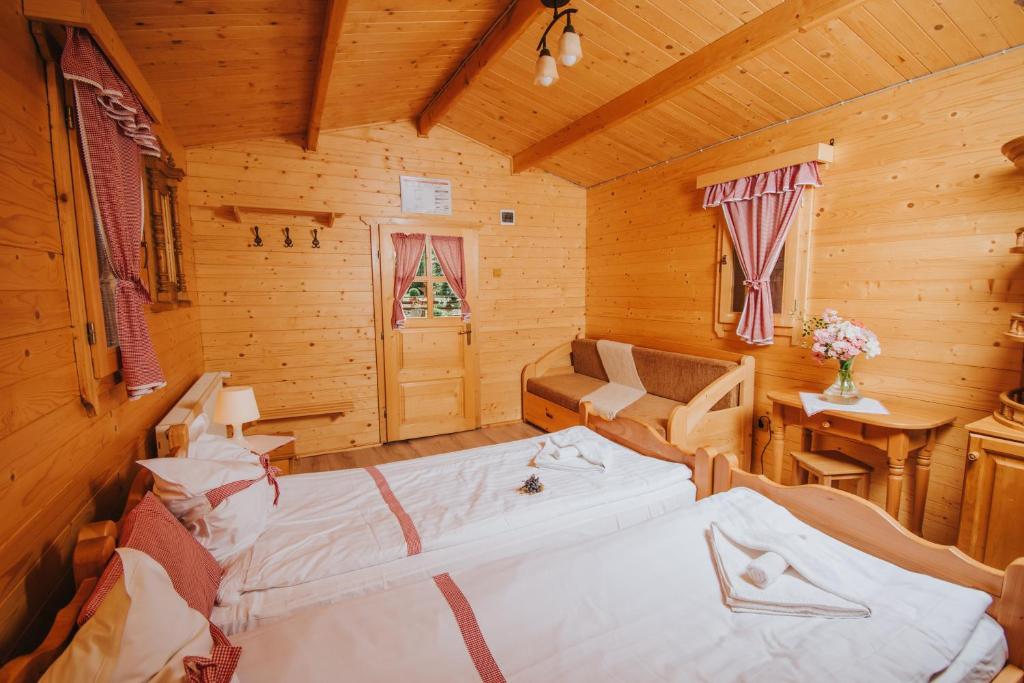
(624, 386)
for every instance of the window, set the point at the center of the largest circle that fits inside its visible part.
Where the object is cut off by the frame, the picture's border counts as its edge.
(90, 282)
(788, 279)
(430, 295)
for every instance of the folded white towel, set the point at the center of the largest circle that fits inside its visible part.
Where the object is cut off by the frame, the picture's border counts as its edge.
(567, 453)
(766, 568)
(590, 447)
(792, 594)
(550, 456)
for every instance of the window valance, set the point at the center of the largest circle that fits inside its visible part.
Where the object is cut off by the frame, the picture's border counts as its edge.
(771, 182)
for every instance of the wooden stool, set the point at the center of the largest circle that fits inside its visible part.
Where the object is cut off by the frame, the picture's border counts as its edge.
(830, 466)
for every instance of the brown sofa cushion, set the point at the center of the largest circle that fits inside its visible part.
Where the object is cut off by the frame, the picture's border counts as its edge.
(680, 377)
(651, 410)
(564, 390)
(586, 361)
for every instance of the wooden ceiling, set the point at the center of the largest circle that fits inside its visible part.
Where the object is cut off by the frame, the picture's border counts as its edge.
(232, 69)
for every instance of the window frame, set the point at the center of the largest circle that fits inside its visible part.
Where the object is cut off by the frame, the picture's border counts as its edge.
(795, 274)
(101, 386)
(429, 279)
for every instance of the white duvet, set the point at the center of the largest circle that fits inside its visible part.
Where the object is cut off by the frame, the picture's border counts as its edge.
(334, 523)
(640, 605)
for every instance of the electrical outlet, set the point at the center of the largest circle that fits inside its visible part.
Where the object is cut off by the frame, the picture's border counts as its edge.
(763, 422)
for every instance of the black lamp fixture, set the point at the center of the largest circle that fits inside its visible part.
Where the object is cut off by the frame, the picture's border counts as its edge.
(569, 49)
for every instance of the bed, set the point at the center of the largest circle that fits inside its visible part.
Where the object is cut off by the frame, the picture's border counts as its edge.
(642, 605)
(343, 533)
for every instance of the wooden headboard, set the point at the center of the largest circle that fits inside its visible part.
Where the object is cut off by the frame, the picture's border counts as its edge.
(172, 432)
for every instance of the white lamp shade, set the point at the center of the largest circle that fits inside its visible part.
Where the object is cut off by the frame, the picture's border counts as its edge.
(570, 51)
(547, 70)
(236, 406)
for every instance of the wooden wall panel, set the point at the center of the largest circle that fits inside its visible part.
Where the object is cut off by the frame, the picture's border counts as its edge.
(911, 235)
(59, 468)
(298, 323)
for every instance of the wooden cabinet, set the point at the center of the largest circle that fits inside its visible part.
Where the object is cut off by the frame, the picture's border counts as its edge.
(992, 508)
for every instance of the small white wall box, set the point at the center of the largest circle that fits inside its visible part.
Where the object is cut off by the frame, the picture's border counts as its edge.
(508, 216)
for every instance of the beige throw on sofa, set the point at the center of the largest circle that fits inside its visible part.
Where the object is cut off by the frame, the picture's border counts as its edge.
(624, 386)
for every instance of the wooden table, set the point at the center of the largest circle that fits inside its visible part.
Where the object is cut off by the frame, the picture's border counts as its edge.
(910, 426)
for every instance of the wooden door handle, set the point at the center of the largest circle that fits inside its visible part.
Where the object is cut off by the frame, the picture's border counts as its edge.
(972, 456)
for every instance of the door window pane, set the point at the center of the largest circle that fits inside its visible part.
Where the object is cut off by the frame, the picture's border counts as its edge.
(414, 302)
(446, 301)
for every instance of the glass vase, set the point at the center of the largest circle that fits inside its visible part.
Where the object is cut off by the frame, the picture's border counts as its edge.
(843, 390)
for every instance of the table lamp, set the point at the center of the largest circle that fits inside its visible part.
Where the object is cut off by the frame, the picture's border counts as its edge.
(236, 406)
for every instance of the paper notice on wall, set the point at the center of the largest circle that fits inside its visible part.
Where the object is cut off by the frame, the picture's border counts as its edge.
(426, 195)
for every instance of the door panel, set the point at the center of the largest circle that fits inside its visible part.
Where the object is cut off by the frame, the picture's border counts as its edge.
(431, 366)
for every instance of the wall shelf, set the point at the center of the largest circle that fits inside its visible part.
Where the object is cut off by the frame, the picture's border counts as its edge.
(308, 410)
(325, 218)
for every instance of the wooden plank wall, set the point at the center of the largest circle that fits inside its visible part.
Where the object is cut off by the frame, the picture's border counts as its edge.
(59, 468)
(298, 323)
(911, 235)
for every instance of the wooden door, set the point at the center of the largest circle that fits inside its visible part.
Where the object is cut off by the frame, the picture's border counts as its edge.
(993, 501)
(432, 380)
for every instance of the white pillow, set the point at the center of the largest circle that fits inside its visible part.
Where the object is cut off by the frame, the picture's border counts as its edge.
(198, 427)
(235, 523)
(142, 631)
(212, 447)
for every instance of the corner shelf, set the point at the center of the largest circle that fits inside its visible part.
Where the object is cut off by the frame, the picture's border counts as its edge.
(325, 218)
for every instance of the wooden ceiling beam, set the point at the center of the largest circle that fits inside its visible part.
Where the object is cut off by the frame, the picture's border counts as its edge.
(88, 15)
(508, 28)
(744, 43)
(334, 19)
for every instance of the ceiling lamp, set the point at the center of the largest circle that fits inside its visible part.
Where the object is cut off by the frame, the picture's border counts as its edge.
(570, 52)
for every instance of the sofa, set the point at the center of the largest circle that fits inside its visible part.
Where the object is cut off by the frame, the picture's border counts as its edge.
(692, 400)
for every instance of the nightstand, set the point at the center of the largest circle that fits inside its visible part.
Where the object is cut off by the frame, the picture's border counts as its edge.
(279, 447)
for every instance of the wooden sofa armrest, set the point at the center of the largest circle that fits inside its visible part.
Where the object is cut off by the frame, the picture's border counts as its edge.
(552, 358)
(685, 418)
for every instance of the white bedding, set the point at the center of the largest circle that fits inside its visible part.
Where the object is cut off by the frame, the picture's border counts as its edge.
(257, 608)
(640, 605)
(336, 523)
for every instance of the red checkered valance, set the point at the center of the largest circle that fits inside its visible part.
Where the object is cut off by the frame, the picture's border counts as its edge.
(114, 130)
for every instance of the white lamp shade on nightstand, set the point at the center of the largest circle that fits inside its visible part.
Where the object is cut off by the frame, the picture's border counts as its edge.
(235, 406)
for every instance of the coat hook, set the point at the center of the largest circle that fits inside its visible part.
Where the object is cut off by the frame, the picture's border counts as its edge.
(258, 242)
(832, 142)
(316, 240)
(287, 238)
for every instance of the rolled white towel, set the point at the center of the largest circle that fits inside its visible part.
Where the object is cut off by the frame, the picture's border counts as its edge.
(567, 453)
(766, 568)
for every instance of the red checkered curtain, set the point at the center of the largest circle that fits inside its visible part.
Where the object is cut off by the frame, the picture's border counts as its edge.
(758, 211)
(452, 259)
(408, 250)
(113, 131)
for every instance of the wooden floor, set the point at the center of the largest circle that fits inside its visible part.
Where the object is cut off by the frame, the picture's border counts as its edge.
(415, 448)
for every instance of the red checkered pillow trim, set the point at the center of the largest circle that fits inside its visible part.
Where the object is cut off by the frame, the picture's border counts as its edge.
(412, 537)
(151, 529)
(472, 636)
(223, 492)
(219, 666)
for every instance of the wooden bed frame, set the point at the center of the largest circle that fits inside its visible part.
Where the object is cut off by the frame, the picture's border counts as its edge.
(842, 515)
(690, 426)
(172, 432)
(869, 528)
